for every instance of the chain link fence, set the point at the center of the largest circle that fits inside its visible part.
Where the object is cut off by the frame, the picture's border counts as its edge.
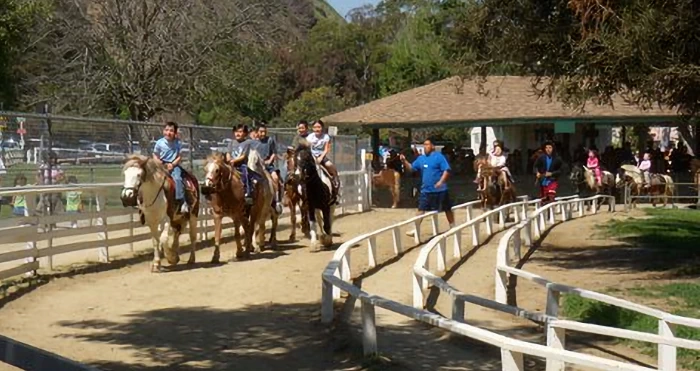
(92, 150)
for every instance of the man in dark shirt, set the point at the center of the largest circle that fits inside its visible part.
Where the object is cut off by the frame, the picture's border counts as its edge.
(548, 168)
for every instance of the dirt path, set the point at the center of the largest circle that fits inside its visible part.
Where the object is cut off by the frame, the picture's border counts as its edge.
(259, 314)
(264, 313)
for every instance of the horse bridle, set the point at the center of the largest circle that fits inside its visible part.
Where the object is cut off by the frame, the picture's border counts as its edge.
(136, 189)
(221, 181)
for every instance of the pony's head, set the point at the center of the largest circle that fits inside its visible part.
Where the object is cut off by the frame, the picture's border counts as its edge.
(304, 160)
(217, 173)
(289, 158)
(134, 175)
(491, 194)
(138, 170)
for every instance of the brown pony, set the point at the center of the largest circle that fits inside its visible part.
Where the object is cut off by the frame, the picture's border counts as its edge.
(496, 191)
(223, 189)
(293, 197)
(660, 189)
(390, 178)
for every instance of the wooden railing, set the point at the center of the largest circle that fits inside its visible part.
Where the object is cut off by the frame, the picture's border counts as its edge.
(103, 223)
(529, 230)
(336, 278)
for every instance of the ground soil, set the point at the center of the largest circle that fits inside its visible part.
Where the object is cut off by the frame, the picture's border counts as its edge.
(264, 313)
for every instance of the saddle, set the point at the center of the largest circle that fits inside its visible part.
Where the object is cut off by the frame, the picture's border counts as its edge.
(191, 194)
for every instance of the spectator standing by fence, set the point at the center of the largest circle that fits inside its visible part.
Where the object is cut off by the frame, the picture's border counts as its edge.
(74, 201)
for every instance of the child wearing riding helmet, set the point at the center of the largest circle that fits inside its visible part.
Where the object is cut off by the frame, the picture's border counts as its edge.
(320, 143)
(237, 156)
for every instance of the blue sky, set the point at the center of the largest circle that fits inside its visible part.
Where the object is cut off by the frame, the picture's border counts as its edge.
(344, 6)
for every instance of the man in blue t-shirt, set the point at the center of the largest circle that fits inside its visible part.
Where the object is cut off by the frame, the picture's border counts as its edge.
(434, 170)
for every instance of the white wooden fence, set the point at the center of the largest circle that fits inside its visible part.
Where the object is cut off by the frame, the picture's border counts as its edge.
(555, 329)
(337, 275)
(100, 227)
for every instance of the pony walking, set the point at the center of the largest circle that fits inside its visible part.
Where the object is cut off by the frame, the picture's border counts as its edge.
(148, 186)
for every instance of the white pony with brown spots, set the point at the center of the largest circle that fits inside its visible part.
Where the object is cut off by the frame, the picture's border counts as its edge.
(148, 185)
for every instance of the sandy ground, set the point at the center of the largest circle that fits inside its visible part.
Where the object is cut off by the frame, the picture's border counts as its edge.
(264, 313)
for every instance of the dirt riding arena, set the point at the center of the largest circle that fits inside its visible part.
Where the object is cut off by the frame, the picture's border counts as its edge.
(264, 313)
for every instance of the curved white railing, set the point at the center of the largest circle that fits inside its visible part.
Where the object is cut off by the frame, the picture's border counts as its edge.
(336, 277)
(555, 328)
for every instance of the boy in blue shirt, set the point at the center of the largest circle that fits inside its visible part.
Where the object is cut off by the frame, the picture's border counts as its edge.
(167, 152)
(238, 156)
(434, 170)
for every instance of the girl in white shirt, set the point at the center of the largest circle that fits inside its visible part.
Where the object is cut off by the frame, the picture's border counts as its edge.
(497, 159)
(320, 143)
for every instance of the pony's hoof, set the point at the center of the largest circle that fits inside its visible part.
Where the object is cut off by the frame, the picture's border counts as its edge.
(157, 268)
(215, 260)
(190, 261)
(292, 238)
(273, 245)
(240, 257)
(316, 247)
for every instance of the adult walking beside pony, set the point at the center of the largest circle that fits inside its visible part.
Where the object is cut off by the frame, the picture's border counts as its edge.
(548, 168)
(434, 170)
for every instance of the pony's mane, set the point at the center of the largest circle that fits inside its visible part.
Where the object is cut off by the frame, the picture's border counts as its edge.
(148, 164)
(217, 157)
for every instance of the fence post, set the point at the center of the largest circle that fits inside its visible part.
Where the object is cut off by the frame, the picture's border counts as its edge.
(416, 228)
(326, 301)
(501, 286)
(457, 245)
(103, 251)
(369, 329)
(345, 273)
(396, 234)
(417, 291)
(475, 234)
(92, 181)
(489, 225)
(556, 337)
(667, 353)
(502, 219)
(372, 251)
(528, 233)
(457, 309)
(512, 361)
(469, 213)
(31, 245)
(434, 221)
(441, 259)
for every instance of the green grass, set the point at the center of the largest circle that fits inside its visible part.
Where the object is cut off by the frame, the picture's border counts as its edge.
(684, 297)
(674, 234)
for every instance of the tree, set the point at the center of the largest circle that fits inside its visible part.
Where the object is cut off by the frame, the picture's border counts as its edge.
(644, 51)
(16, 20)
(416, 56)
(312, 105)
(148, 56)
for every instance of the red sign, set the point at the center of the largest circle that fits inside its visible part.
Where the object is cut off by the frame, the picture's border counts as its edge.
(22, 131)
